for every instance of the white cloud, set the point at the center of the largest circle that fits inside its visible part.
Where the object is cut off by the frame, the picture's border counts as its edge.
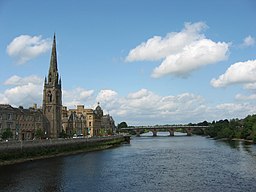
(77, 96)
(142, 107)
(238, 73)
(24, 94)
(106, 95)
(248, 41)
(24, 91)
(181, 52)
(157, 47)
(17, 80)
(193, 56)
(24, 47)
(234, 110)
(251, 86)
(3, 99)
(246, 97)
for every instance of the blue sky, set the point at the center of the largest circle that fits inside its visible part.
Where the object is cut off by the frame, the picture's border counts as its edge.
(146, 62)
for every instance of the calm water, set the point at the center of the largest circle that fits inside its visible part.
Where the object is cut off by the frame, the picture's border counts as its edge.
(148, 164)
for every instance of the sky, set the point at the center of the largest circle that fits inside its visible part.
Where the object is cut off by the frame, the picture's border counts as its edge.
(146, 62)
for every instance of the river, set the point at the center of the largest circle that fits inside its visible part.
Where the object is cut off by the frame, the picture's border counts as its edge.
(162, 163)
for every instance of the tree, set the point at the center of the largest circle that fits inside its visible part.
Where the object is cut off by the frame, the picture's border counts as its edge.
(39, 133)
(7, 134)
(122, 125)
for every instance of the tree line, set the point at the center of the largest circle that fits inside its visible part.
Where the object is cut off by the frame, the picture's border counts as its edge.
(230, 129)
(233, 128)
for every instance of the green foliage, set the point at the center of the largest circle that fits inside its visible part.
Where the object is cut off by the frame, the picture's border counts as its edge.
(235, 128)
(226, 132)
(7, 134)
(39, 134)
(122, 125)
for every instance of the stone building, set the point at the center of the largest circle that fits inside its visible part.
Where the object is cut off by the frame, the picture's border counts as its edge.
(108, 124)
(82, 121)
(52, 96)
(23, 123)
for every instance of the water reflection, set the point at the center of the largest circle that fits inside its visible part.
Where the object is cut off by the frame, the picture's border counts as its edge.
(44, 175)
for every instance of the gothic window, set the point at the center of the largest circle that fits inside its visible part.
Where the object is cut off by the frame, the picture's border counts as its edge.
(50, 78)
(49, 95)
(49, 108)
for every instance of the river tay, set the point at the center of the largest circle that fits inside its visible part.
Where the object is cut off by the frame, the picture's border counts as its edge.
(160, 163)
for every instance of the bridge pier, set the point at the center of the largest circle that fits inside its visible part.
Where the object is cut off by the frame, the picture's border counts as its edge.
(154, 131)
(171, 131)
(137, 131)
(189, 131)
(204, 131)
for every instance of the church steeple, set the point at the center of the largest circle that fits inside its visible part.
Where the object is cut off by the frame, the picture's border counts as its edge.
(52, 96)
(53, 75)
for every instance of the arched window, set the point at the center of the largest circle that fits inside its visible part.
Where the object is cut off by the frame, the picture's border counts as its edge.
(50, 78)
(49, 95)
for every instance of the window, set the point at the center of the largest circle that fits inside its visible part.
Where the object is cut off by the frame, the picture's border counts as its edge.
(0, 116)
(9, 116)
(90, 123)
(0, 125)
(9, 125)
(50, 78)
(49, 95)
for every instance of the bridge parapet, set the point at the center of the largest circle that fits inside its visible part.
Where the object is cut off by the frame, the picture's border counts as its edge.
(170, 128)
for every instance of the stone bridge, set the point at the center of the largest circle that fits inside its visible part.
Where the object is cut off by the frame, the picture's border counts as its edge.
(170, 128)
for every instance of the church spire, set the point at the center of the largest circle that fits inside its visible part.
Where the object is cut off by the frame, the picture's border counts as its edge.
(53, 64)
(53, 76)
(52, 96)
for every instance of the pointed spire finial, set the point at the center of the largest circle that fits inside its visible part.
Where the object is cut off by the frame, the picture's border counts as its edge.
(53, 75)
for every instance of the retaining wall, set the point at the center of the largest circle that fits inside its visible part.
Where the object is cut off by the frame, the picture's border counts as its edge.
(14, 151)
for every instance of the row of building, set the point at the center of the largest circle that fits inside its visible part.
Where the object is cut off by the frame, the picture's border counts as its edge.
(53, 120)
(26, 124)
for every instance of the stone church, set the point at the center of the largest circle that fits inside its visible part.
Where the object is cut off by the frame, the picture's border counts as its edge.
(53, 119)
(52, 96)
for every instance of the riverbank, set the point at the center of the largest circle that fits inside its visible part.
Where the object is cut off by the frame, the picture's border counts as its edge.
(17, 152)
(233, 139)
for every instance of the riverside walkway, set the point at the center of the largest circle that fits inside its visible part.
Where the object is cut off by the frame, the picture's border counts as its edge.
(21, 144)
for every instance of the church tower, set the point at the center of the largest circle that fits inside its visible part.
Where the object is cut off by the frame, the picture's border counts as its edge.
(52, 96)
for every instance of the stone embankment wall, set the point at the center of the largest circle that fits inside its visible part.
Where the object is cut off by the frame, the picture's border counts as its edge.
(18, 151)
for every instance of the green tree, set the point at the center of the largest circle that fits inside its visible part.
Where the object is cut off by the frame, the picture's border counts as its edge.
(122, 125)
(7, 134)
(39, 134)
(226, 132)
